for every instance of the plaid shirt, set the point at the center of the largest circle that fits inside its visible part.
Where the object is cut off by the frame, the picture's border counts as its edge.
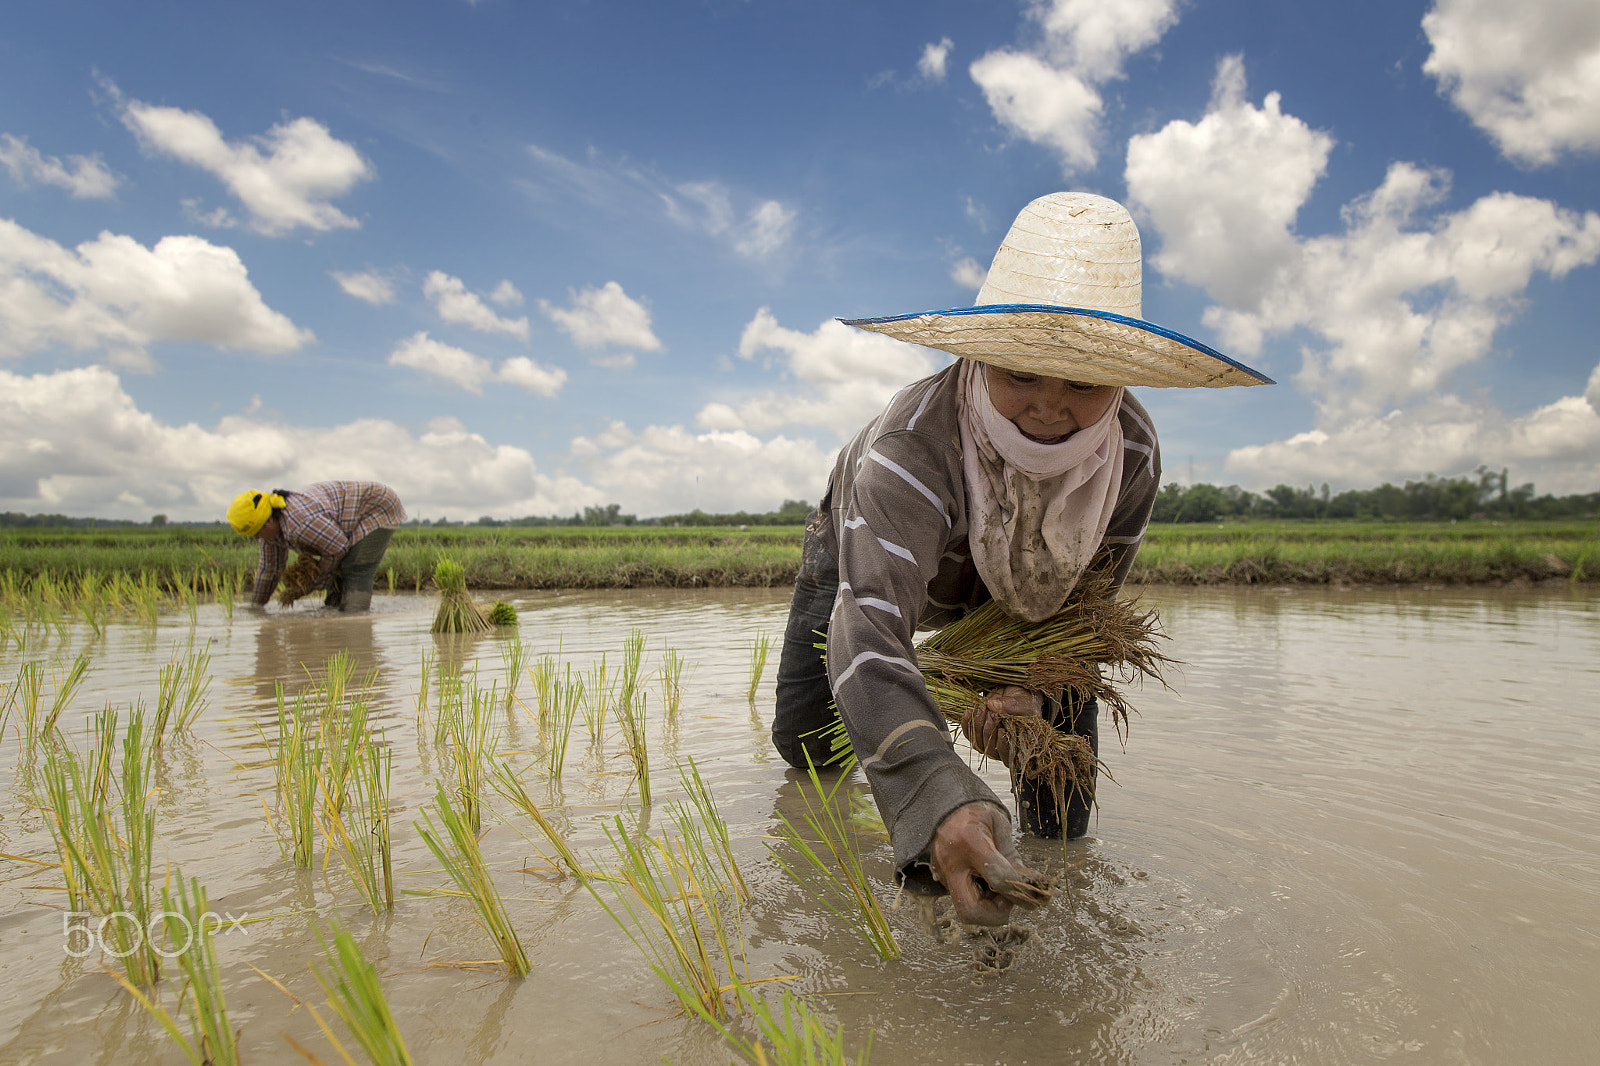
(327, 518)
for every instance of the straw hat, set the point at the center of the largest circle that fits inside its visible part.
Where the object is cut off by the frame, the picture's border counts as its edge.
(1062, 300)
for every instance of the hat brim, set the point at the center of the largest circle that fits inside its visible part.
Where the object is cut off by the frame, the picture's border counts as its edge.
(1079, 343)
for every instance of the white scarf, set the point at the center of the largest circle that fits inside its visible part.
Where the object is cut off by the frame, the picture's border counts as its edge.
(1036, 513)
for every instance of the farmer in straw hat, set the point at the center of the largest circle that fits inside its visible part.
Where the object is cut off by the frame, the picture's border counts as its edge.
(346, 523)
(1006, 475)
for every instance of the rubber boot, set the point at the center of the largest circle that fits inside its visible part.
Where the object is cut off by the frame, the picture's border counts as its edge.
(356, 601)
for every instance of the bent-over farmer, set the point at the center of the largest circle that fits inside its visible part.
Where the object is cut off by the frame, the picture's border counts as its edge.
(347, 524)
(1007, 475)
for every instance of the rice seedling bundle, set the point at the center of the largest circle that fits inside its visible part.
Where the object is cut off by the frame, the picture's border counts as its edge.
(671, 681)
(758, 660)
(106, 861)
(602, 687)
(457, 613)
(510, 786)
(794, 1037)
(702, 825)
(631, 713)
(568, 696)
(470, 742)
(514, 654)
(543, 676)
(297, 766)
(361, 829)
(190, 922)
(66, 684)
(356, 997)
(843, 885)
(987, 649)
(181, 691)
(690, 942)
(457, 850)
(502, 614)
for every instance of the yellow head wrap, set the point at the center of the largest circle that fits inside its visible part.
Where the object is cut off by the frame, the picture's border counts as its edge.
(250, 510)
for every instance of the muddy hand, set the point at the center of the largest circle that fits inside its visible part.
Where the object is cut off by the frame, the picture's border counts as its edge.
(973, 858)
(984, 725)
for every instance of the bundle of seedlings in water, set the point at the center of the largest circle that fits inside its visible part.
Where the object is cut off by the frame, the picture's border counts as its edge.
(677, 920)
(758, 661)
(361, 828)
(988, 648)
(356, 997)
(181, 692)
(297, 767)
(300, 578)
(514, 654)
(672, 681)
(457, 613)
(470, 742)
(458, 852)
(631, 713)
(190, 923)
(106, 861)
(842, 885)
(794, 1037)
(702, 824)
(502, 614)
(510, 787)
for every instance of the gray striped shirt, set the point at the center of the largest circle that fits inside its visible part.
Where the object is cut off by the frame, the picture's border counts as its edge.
(895, 518)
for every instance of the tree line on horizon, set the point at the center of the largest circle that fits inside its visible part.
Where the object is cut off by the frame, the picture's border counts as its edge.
(1484, 494)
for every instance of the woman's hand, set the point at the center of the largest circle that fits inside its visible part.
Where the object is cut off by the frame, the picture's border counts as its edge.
(984, 725)
(973, 857)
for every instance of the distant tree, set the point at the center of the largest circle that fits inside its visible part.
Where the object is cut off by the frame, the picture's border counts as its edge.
(158, 520)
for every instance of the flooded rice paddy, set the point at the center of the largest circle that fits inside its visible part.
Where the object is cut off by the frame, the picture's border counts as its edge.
(1362, 826)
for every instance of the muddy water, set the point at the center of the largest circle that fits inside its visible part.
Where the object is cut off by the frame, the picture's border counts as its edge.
(1362, 826)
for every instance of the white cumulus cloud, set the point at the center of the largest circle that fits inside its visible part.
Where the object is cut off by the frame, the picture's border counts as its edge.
(1527, 72)
(285, 177)
(1402, 299)
(469, 371)
(369, 286)
(114, 294)
(1048, 93)
(75, 442)
(1556, 446)
(844, 376)
(607, 315)
(454, 303)
(85, 177)
(934, 58)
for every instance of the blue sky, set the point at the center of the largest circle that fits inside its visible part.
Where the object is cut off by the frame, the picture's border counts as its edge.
(525, 258)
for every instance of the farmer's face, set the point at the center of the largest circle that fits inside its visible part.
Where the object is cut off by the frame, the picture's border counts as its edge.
(270, 530)
(1047, 410)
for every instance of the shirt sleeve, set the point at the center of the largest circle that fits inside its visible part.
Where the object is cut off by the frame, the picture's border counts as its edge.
(272, 557)
(893, 527)
(1136, 497)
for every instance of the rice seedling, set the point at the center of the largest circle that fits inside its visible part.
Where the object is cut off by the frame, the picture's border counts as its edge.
(568, 696)
(672, 663)
(458, 852)
(146, 598)
(502, 614)
(343, 737)
(471, 740)
(794, 1037)
(89, 602)
(297, 767)
(26, 694)
(631, 713)
(758, 660)
(842, 886)
(601, 689)
(361, 828)
(514, 654)
(543, 676)
(457, 613)
(224, 589)
(510, 787)
(680, 928)
(189, 920)
(357, 998)
(340, 670)
(181, 692)
(65, 686)
(6, 705)
(988, 648)
(422, 687)
(106, 866)
(715, 829)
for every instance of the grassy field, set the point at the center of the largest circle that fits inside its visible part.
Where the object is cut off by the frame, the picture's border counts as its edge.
(1277, 552)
